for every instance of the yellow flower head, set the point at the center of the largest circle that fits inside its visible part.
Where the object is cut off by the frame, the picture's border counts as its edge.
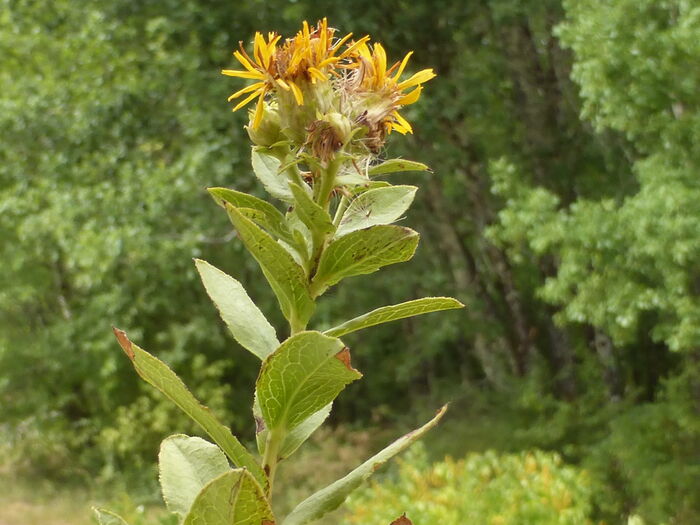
(309, 57)
(372, 78)
(260, 68)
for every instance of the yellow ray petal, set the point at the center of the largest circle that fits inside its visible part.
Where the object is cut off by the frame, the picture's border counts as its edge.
(258, 46)
(402, 66)
(298, 95)
(265, 52)
(380, 61)
(272, 40)
(257, 75)
(244, 61)
(418, 78)
(401, 125)
(327, 62)
(259, 111)
(410, 98)
(283, 84)
(317, 74)
(323, 30)
(339, 43)
(247, 89)
(353, 47)
(247, 99)
(296, 58)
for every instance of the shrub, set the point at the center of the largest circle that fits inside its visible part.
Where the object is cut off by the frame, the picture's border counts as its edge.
(532, 487)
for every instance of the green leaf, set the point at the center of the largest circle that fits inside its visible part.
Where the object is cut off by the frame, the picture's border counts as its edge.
(185, 465)
(267, 170)
(376, 206)
(394, 165)
(310, 213)
(394, 312)
(157, 374)
(365, 251)
(107, 517)
(234, 498)
(331, 497)
(294, 439)
(285, 276)
(245, 320)
(260, 211)
(243, 200)
(350, 178)
(304, 375)
(369, 185)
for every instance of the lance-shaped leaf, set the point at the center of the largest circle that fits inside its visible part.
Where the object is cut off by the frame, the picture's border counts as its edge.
(394, 312)
(258, 210)
(369, 185)
(394, 165)
(331, 497)
(234, 498)
(294, 439)
(185, 465)
(350, 178)
(245, 320)
(267, 170)
(365, 251)
(285, 276)
(376, 206)
(310, 213)
(107, 517)
(157, 374)
(304, 375)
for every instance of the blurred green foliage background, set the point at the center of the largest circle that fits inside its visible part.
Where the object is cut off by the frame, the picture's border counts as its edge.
(564, 210)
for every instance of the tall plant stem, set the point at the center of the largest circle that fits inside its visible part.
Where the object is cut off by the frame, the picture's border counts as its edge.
(323, 197)
(342, 206)
(269, 462)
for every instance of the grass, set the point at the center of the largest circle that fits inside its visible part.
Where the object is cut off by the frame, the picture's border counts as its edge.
(36, 502)
(329, 455)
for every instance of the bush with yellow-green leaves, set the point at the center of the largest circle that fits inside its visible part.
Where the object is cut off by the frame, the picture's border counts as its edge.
(532, 487)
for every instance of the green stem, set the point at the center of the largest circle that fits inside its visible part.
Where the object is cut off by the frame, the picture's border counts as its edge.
(295, 175)
(295, 325)
(323, 197)
(342, 206)
(328, 181)
(269, 463)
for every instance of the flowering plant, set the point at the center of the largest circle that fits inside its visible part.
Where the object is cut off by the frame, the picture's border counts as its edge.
(325, 106)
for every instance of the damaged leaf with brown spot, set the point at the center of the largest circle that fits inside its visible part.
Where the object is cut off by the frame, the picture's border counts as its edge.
(124, 342)
(301, 377)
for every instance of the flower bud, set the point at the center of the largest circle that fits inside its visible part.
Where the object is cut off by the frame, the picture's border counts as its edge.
(269, 131)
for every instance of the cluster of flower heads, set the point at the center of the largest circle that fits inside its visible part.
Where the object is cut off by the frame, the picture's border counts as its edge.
(326, 79)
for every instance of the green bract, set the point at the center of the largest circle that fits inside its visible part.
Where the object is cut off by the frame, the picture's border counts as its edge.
(336, 223)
